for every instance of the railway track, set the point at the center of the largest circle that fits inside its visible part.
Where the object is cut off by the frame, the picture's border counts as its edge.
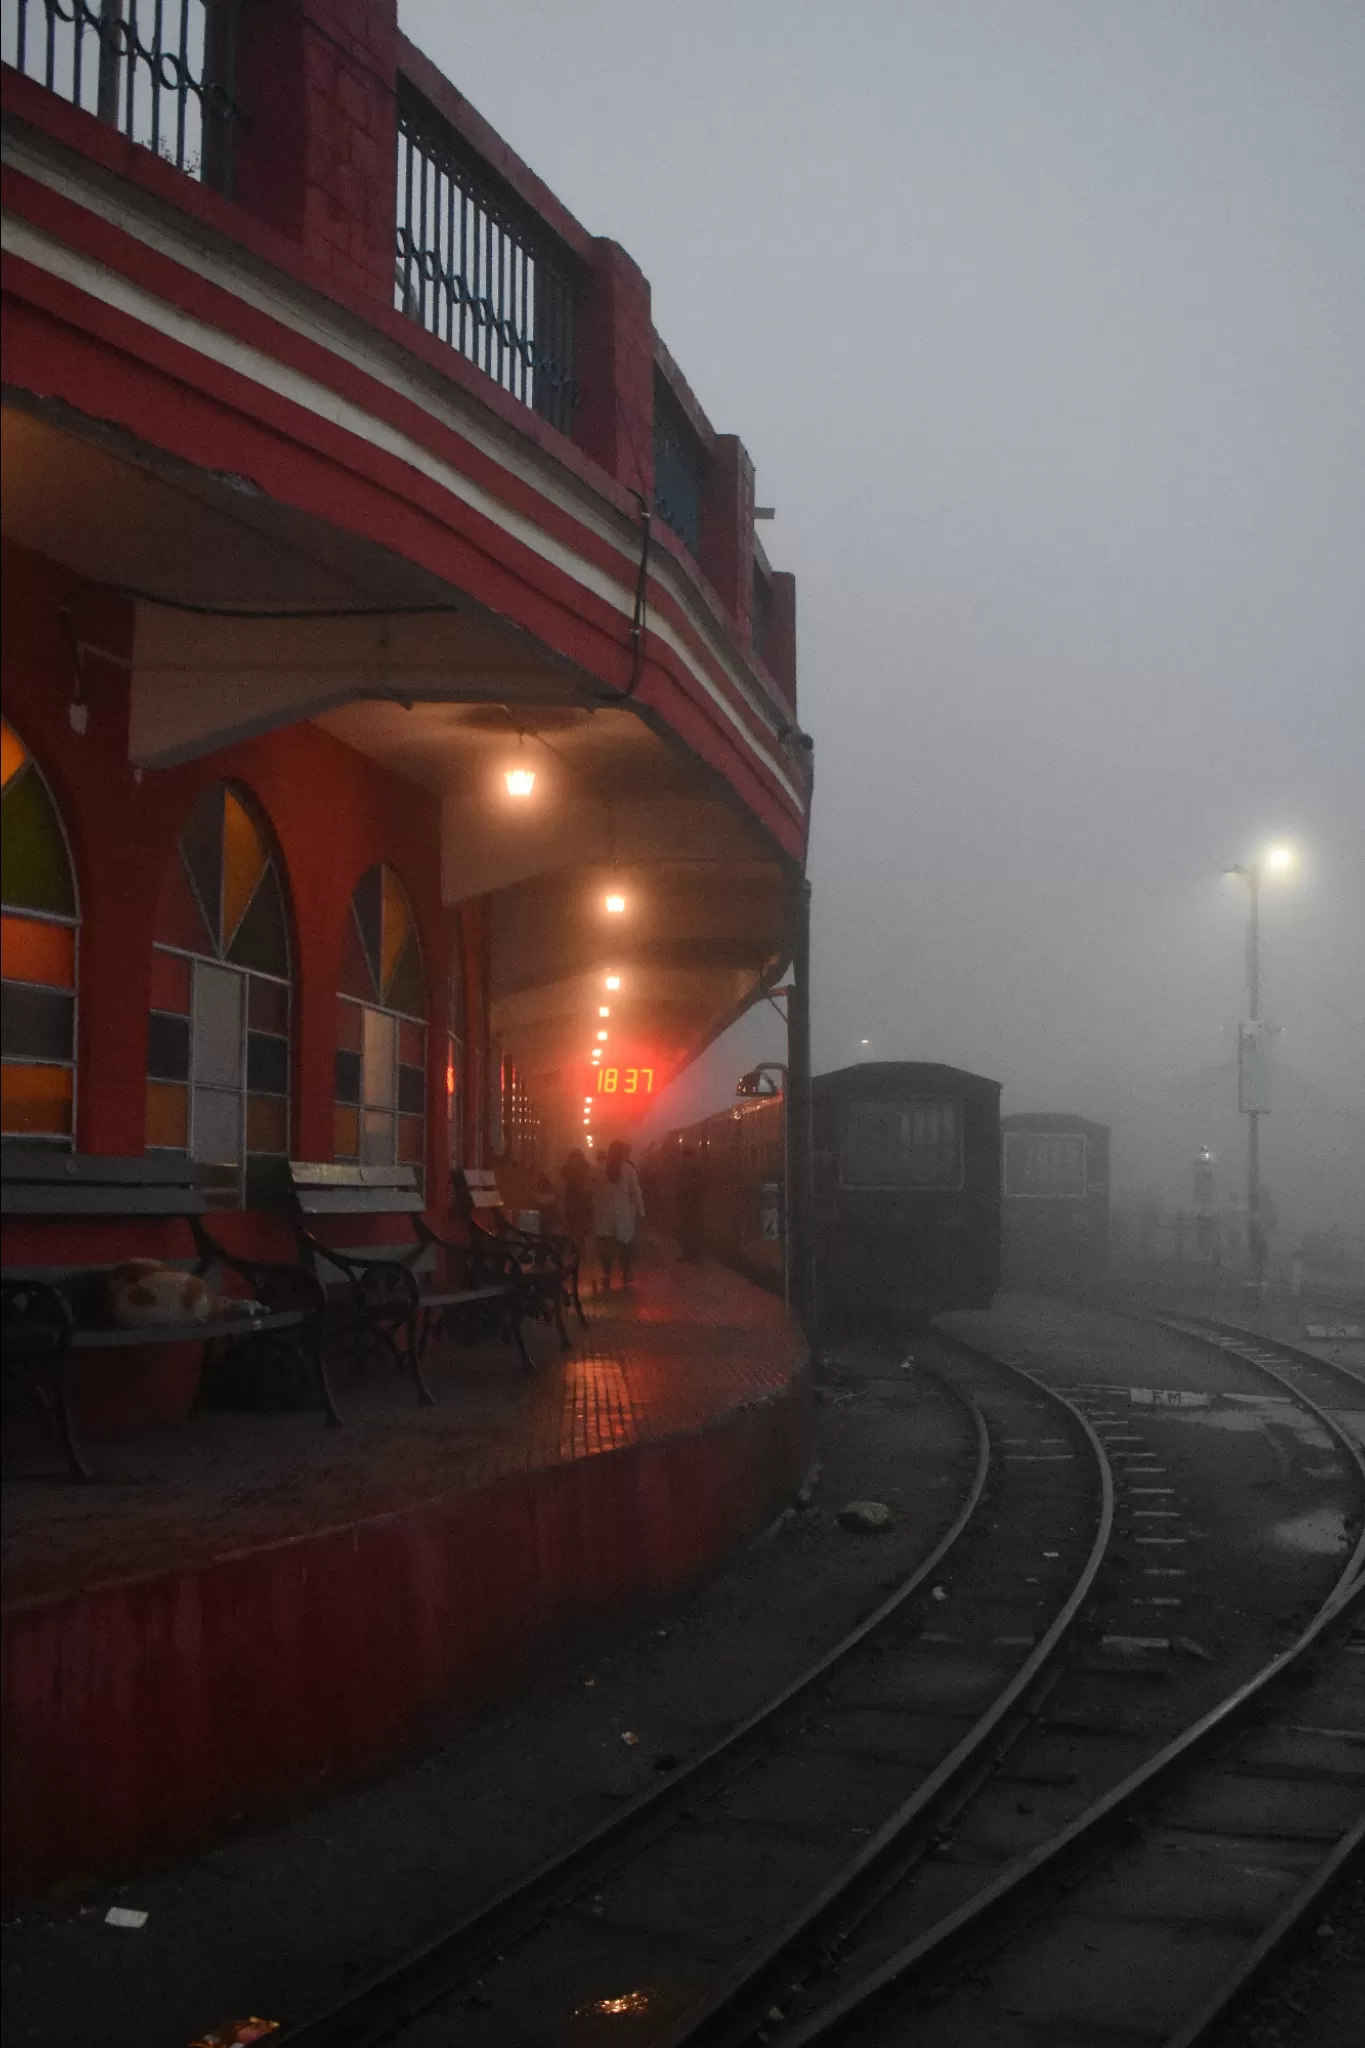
(731, 1869)
(728, 1905)
(1152, 1913)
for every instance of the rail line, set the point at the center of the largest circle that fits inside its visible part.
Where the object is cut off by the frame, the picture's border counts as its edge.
(715, 1828)
(1159, 1850)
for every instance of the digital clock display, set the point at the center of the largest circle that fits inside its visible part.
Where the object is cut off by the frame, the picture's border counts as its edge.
(618, 1080)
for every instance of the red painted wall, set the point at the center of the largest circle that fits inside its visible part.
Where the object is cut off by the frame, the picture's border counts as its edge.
(333, 813)
(134, 1727)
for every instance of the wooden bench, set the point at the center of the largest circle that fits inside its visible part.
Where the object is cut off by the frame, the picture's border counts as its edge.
(549, 1261)
(55, 1310)
(384, 1293)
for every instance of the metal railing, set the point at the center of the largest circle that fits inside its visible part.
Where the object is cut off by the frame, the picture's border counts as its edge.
(480, 270)
(163, 72)
(679, 468)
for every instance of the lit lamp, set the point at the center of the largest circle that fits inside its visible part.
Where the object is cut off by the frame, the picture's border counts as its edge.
(613, 981)
(1278, 859)
(603, 1011)
(601, 1038)
(615, 904)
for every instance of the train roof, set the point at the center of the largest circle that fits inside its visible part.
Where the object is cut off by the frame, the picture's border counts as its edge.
(1058, 1120)
(895, 1077)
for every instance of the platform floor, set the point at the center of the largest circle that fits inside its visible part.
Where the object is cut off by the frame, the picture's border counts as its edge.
(684, 1347)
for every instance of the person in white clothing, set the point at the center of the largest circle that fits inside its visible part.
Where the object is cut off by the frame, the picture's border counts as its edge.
(617, 1208)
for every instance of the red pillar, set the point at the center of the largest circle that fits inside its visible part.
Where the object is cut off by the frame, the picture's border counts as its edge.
(614, 364)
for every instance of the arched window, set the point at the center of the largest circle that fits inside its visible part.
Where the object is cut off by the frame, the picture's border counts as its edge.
(40, 920)
(381, 1082)
(218, 1046)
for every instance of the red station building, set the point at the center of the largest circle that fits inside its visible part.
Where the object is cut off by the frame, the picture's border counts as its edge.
(397, 699)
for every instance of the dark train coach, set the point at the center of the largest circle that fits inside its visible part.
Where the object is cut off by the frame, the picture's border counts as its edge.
(1055, 1201)
(907, 1190)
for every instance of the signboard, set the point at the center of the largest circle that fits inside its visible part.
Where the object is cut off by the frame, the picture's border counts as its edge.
(622, 1085)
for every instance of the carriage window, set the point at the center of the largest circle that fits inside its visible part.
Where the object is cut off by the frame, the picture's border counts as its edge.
(901, 1145)
(1045, 1163)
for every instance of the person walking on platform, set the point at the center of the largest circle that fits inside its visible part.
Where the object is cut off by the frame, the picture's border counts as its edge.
(619, 1207)
(687, 1206)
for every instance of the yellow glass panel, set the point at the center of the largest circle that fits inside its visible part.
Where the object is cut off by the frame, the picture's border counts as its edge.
(168, 1119)
(267, 1124)
(345, 1133)
(395, 928)
(34, 951)
(244, 859)
(35, 1099)
(13, 753)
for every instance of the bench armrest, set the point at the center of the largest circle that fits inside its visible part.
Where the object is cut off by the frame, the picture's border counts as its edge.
(279, 1285)
(488, 1264)
(377, 1282)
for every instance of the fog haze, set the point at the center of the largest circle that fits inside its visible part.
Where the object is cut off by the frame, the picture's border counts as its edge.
(1044, 325)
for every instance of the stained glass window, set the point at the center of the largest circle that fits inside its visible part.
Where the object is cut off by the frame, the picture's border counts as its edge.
(218, 1039)
(381, 1087)
(38, 935)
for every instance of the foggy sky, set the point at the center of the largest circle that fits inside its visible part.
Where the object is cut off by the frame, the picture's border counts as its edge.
(1044, 324)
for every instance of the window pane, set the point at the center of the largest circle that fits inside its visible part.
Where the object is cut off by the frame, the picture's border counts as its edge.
(217, 1030)
(412, 1090)
(350, 1026)
(36, 1023)
(36, 1099)
(376, 1144)
(410, 1140)
(268, 1006)
(217, 1124)
(170, 982)
(345, 1133)
(412, 1050)
(347, 1088)
(267, 1063)
(35, 872)
(267, 1124)
(168, 1115)
(380, 1049)
(32, 950)
(168, 1047)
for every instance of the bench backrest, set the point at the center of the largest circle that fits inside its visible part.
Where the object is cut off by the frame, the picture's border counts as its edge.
(324, 1189)
(479, 1187)
(60, 1184)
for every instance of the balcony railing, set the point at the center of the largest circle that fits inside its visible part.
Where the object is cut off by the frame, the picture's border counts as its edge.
(679, 468)
(479, 270)
(163, 72)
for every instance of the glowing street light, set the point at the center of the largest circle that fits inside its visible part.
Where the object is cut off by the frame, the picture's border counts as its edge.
(520, 781)
(615, 905)
(613, 981)
(603, 1011)
(1279, 858)
(601, 1038)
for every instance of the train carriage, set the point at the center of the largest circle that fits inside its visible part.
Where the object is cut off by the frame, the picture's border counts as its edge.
(907, 1190)
(1055, 1201)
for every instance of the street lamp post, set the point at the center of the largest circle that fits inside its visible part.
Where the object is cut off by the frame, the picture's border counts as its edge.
(1275, 860)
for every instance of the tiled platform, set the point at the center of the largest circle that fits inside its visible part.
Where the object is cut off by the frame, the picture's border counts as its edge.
(245, 1602)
